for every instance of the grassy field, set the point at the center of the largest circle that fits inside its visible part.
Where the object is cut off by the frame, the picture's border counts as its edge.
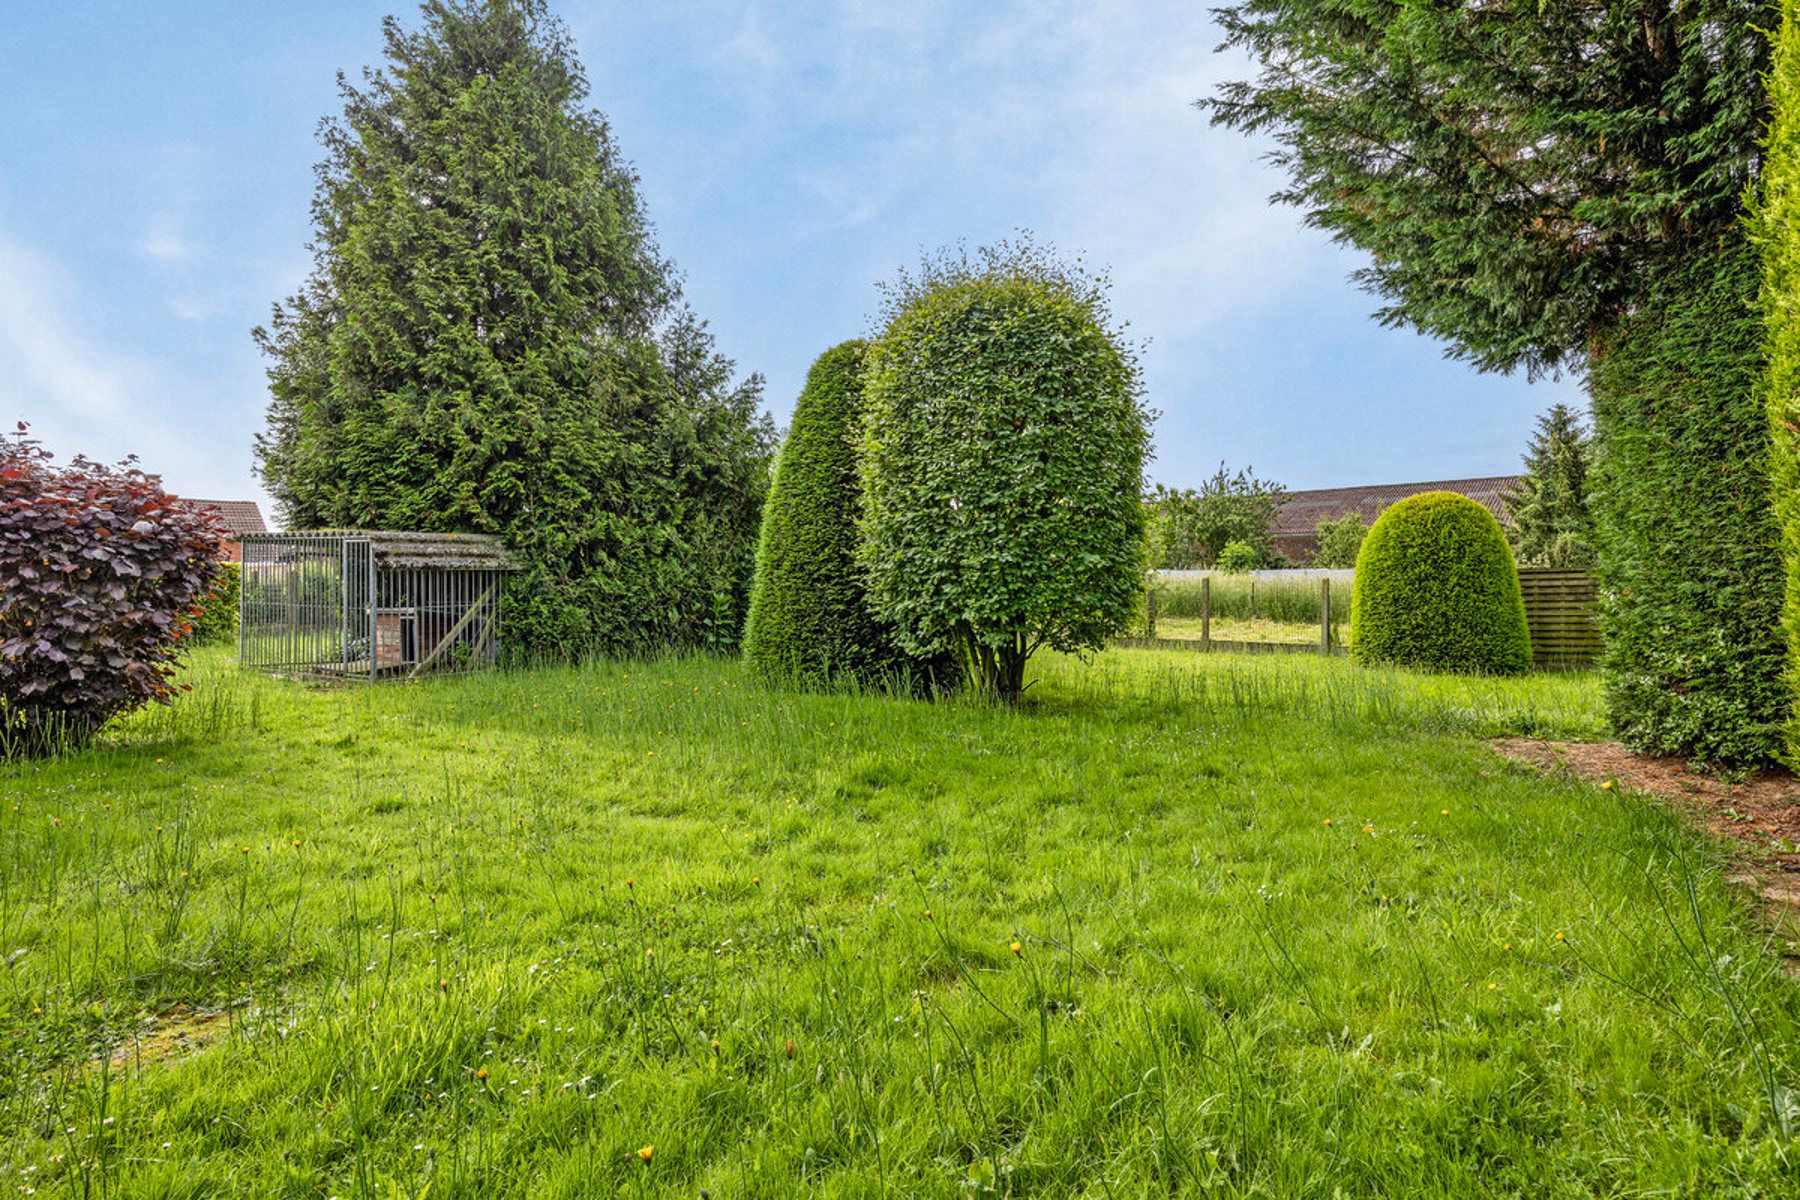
(1185, 924)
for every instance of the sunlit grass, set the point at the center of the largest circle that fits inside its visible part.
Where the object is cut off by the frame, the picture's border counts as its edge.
(1284, 927)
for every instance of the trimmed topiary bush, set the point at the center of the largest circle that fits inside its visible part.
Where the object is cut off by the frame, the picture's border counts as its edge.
(101, 576)
(1777, 236)
(1002, 464)
(1436, 588)
(810, 621)
(1689, 560)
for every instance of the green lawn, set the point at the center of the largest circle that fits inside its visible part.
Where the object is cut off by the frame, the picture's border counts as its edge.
(1245, 629)
(1285, 928)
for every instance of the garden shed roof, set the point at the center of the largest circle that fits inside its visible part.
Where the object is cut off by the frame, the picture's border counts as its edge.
(413, 550)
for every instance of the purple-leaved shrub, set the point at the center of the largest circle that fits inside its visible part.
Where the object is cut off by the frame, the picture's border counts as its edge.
(101, 575)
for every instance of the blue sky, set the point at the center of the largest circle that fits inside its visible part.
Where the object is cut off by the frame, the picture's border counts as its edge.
(156, 168)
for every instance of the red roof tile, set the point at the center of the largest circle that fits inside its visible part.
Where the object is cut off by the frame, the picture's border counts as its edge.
(240, 516)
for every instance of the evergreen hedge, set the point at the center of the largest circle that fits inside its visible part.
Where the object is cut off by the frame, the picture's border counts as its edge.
(810, 621)
(1690, 576)
(1436, 588)
(1777, 231)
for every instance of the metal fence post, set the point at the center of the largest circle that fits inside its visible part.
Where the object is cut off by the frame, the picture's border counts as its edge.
(1150, 613)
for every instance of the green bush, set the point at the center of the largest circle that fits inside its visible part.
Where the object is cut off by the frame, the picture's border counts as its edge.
(1002, 464)
(1690, 574)
(1777, 234)
(1238, 557)
(1436, 588)
(218, 619)
(810, 621)
(1340, 541)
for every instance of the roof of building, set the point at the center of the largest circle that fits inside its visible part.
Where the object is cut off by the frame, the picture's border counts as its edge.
(409, 549)
(1301, 512)
(240, 516)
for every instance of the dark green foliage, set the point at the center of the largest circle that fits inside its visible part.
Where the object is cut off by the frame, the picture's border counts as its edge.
(1190, 527)
(1690, 575)
(1436, 589)
(490, 342)
(1002, 464)
(1511, 168)
(218, 619)
(1533, 183)
(810, 617)
(1777, 234)
(1552, 526)
(1340, 541)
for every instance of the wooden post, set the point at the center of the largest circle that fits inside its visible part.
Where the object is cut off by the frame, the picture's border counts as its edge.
(1150, 613)
(1206, 612)
(1325, 614)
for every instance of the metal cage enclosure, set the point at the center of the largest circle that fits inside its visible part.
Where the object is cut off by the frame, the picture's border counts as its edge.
(368, 604)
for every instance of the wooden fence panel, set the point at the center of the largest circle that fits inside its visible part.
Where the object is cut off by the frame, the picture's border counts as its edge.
(1559, 610)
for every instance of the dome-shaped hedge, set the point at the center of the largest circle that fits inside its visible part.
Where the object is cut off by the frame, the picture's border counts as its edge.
(1436, 588)
(810, 621)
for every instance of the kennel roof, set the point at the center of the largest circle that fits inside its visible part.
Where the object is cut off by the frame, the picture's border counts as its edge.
(410, 550)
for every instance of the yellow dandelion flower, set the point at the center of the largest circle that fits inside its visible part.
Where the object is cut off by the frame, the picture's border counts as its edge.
(1017, 948)
(646, 1153)
(1443, 812)
(1493, 987)
(1328, 820)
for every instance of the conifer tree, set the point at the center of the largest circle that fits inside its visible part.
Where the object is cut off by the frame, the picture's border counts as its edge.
(1548, 186)
(490, 341)
(1552, 526)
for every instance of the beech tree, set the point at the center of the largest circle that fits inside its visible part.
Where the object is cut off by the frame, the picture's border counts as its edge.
(1002, 462)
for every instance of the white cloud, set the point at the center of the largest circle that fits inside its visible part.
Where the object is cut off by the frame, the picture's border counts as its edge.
(163, 241)
(42, 351)
(85, 393)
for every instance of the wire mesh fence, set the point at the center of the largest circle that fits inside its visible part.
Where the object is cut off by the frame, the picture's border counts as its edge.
(369, 605)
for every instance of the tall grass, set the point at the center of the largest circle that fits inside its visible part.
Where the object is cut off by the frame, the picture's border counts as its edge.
(1289, 601)
(1190, 925)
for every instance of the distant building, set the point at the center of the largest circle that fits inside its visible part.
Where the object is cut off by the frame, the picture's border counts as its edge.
(240, 517)
(1297, 521)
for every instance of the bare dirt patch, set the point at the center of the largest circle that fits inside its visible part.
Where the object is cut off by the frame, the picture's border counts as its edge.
(1761, 811)
(170, 1035)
